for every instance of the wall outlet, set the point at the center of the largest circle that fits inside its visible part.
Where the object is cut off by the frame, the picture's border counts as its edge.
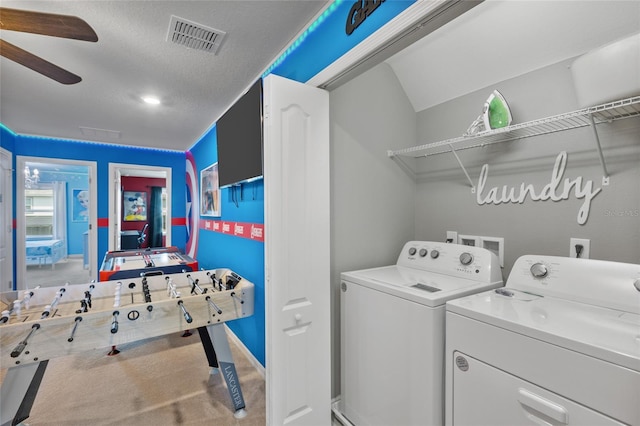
(452, 237)
(582, 252)
(469, 240)
(495, 245)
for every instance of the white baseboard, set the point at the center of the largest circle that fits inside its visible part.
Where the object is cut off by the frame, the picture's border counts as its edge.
(337, 414)
(252, 359)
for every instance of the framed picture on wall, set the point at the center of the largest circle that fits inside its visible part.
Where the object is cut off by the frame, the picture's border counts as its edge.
(134, 206)
(210, 191)
(80, 205)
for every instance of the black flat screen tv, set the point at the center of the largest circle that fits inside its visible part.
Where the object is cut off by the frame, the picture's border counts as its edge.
(239, 133)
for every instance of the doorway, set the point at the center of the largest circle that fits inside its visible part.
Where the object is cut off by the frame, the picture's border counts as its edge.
(56, 219)
(139, 206)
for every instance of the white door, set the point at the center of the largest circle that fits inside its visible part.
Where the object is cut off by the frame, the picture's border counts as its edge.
(6, 223)
(296, 181)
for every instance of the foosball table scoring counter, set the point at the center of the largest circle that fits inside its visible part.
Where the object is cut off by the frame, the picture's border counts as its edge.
(43, 323)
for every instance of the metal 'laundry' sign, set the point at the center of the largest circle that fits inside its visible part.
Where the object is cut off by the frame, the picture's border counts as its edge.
(551, 191)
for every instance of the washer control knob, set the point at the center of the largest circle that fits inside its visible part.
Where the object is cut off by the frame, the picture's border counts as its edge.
(466, 258)
(539, 270)
(423, 252)
(412, 251)
(435, 254)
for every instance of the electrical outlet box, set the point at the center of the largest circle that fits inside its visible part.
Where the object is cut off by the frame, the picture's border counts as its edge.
(573, 248)
(452, 237)
(495, 245)
(469, 240)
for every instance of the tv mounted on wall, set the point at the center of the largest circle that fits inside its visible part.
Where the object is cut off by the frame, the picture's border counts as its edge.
(239, 133)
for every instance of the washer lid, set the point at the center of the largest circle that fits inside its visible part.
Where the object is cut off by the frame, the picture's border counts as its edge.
(427, 288)
(604, 333)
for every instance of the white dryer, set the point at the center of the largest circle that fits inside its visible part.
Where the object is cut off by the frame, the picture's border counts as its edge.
(392, 331)
(558, 345)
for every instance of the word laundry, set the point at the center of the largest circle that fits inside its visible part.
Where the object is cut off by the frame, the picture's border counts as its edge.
(548, 192)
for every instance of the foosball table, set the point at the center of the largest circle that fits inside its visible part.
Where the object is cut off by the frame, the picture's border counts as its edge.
(43, 323)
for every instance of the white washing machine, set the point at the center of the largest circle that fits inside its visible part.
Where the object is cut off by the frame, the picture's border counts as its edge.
(392, 331)
(558, 345)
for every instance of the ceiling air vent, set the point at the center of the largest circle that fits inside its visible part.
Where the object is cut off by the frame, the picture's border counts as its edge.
(193, 35)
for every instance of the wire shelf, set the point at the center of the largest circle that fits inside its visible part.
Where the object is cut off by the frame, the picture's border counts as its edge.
(604, 113)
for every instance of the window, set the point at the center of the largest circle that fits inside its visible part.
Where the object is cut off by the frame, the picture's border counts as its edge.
(39, 211)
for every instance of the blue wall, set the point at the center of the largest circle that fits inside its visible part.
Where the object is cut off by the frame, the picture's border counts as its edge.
(323, 43)
(103, 154)
(242, 255)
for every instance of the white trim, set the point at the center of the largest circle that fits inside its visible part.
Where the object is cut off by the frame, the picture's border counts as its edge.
(376, 41)
(245, 351)
(112, 179)
(6, 276)
(335, 409)
(21, 246)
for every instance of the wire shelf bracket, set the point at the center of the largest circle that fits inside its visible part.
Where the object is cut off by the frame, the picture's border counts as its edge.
(592, 116)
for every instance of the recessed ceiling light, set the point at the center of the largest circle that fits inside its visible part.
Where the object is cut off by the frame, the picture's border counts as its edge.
(152, 100)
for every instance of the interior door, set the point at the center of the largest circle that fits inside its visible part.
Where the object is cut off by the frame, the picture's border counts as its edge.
(296, 180)
(6, 224)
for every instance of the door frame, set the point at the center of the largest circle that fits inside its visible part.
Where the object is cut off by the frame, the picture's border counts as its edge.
(21, 264)
(6, 276)
(116, 171)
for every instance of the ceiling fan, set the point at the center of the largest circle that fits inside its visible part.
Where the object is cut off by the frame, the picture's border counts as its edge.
(50, 24)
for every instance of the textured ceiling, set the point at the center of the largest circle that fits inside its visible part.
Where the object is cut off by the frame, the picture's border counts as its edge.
(132, 59)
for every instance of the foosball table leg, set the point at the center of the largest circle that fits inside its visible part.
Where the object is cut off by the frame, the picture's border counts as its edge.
(18, 391)
(208, 350)
(222, 351)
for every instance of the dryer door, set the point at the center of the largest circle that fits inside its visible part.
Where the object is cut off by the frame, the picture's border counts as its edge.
(485, 395)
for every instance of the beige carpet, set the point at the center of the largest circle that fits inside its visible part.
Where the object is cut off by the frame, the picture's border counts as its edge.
(68, 270)
(162, 381)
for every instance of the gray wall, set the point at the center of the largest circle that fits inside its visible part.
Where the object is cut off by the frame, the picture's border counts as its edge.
(377, 207)
(372, 199)
(444, 200)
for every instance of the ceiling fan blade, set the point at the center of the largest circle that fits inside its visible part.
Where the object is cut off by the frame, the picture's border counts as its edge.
(50, 24)
(37, 64)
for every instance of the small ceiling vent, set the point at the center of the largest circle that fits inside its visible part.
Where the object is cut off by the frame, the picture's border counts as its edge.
(193, 35)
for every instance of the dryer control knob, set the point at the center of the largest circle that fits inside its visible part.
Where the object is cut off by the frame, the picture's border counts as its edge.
(466, 258)
(423, 252)
(412, 251)
(539, 270)
(435, 254)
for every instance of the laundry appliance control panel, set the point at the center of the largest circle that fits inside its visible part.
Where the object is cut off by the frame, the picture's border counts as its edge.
(451, 259)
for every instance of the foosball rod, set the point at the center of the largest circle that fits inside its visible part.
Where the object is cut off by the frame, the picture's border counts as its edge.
(195, 285)
(54, 303)
(17, 306)
(18, 349)
(213, 305)
(75, 326)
